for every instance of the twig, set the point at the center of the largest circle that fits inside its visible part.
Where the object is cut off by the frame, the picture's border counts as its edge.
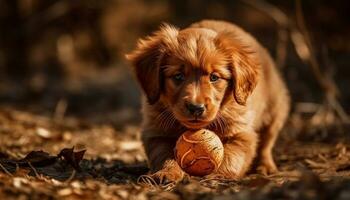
(218, 177)
(316, 165)
(303, 45)
(302, 41)
(35, 172)
(53, 12)
(71, 176)
(285, 174)
(327, 84)
(281, 20)
(169, 186)
(146, 179)
(149, 181)
(5, 170)
(339, 110)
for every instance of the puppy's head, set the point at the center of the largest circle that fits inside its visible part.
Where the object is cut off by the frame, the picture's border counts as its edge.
(194, 71)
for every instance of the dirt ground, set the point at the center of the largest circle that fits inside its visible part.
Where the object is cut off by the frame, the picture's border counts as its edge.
(313, 165)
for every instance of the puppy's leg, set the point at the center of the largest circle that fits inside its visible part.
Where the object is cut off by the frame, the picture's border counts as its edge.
(160, 153)
(266, 164)
(239, 152)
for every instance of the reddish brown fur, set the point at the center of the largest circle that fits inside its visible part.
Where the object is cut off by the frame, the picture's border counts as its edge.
(246, 107)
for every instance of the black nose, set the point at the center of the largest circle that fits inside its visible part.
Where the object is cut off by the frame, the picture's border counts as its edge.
(195, 109)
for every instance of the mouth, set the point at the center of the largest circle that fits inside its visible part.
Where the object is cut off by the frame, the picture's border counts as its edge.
(195, 123)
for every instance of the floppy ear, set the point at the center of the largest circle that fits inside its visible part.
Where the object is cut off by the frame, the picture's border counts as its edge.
(147, 58)
(243, 63)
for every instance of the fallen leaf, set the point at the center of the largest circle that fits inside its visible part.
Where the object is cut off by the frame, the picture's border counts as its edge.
(73, 158)
(37, 159)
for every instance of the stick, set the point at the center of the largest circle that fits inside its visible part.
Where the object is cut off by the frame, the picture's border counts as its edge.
(326, 83)
(281, 20)
(35, 172)
(5, 170)
(71, 176)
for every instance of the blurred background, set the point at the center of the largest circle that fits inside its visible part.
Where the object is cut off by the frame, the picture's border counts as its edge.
(66, 58)
(64, 82)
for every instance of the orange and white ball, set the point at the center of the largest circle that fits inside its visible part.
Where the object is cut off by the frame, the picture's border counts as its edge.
(199, 152)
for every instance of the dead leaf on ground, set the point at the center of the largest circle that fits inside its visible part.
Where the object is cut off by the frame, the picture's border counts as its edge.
(37, 159)
(73, 158)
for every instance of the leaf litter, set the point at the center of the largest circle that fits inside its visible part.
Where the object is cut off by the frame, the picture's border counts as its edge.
(96, 161)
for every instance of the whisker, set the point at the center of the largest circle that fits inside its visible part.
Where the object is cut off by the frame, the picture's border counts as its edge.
(221, 125)
(161, 117)
(165, 119)
(221, 122)
(172, 120)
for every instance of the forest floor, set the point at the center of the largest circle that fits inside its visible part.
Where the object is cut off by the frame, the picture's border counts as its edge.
(38, 162)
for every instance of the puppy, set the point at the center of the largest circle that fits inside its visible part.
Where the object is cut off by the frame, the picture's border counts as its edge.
(210, 75)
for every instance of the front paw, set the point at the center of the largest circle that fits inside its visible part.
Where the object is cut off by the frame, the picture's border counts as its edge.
(267, 167)
(162, 177)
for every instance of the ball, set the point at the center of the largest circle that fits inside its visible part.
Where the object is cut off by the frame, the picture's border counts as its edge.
(199, 152)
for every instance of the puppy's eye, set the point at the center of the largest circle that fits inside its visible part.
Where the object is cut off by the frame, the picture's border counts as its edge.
(213, 77)
(179, 77)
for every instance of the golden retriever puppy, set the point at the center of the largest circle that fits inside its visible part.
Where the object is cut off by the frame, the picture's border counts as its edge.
(210, 75)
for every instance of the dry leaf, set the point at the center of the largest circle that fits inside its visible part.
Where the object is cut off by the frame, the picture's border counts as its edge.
(73, 158)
